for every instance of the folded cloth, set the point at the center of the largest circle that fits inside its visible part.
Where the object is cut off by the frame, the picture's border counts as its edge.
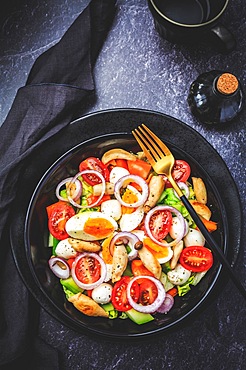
(60, 80)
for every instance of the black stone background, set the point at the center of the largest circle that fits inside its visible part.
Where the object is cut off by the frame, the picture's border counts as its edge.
(137, 69)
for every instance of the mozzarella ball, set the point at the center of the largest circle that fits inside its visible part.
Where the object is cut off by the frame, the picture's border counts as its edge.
(179, 275)
(117, 173)
(194, 237)
(111, 208)
(102, 294)
(65, 250)
(176, 228)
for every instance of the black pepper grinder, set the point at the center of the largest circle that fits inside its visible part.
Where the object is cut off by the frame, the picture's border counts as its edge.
(216, 97)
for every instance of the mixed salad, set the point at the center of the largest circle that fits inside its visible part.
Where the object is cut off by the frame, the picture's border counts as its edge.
(123, 244)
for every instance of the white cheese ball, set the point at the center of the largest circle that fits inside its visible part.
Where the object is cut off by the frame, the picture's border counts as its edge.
(117, 173)
(176, 228)
(194, 237)
(102, 294)
(179, 275)
(111, 208)
(65, 250)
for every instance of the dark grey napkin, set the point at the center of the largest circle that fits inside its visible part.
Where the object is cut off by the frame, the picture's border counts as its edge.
(60, 81)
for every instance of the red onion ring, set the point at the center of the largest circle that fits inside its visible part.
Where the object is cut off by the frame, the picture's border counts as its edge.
(98, 174)
(96, 283)
(127, 179)
(151, 308)
(172, 210)
(77, 193)
(182, 185)
(127, 238)
(54, 264)
(167, 304)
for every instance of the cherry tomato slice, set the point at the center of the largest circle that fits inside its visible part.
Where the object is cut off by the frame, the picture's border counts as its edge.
(88, 270)
(93, 163)
(148, 292)
(119, 295)
(160, 224)
(58, 214)
(196, 258)
(181, 170)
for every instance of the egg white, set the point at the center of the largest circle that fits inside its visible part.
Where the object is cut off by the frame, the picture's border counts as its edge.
(111, 208)
(130, 221)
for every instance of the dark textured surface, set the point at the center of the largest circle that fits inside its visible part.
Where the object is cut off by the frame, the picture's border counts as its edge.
(138, 69)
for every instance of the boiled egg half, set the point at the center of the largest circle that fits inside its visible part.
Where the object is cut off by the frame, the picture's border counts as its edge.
(162, 254)
(91, 226)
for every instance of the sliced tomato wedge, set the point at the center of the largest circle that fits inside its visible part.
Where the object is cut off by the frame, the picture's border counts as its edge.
(117, 163)
(121, 163)
(70, 261)
(196, 258)
(58, 214)
(139, 167)
(148, 292)
(119, 295)
(173, 291)
(88, 270)
(89, 293)
(93, 163)
(93, 198)
(181, 170)
(160, 224)
(138, 269)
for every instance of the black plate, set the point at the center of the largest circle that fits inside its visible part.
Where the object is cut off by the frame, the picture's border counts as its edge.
(29, 230)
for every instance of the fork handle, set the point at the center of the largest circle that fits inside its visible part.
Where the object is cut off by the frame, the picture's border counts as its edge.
(213, 245)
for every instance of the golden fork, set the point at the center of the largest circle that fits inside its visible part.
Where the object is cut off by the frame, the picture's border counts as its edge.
(162, 161)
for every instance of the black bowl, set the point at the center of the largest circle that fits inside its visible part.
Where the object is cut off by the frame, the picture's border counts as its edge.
(32, 252)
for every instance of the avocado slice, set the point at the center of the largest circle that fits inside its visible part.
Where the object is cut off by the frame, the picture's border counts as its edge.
(53, 243)
(108, 307)
(71, 285)
(139, 317)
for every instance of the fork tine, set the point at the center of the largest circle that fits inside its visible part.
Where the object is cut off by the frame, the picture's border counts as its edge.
(154, 149)
(157, 140)
(141, 142)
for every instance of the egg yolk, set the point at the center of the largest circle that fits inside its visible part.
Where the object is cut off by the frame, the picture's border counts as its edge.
(98, 227)
(129, 197)
(106, 255)
(157, 250)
